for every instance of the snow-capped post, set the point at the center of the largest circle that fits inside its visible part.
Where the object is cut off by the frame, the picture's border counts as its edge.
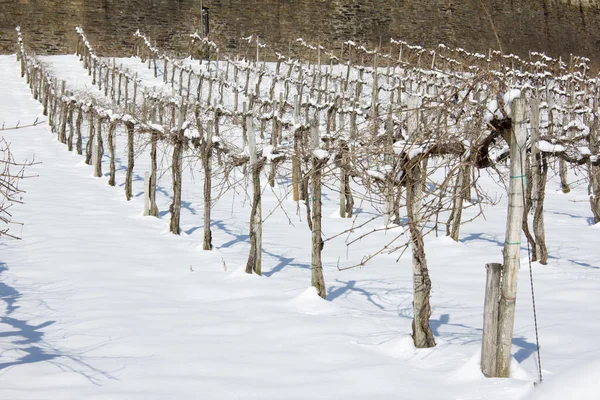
(130, 160)
(178, 138)
(539, 173)
(255, 256)
(207, 145)
(319, 159)
(490, 319)
(512, 243)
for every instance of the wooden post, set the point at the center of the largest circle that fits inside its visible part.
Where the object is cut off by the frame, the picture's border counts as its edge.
(296, 165)
(207, 165)
(78, 122)
(343, 181)
(90, 139)
(99, 149)
(130, 161)
(317, 279)
(153, 210)
(490, 319)
(512, 243)
(111, 149)
(71, 130)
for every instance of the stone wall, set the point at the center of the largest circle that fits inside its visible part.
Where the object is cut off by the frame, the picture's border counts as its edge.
(558, 27)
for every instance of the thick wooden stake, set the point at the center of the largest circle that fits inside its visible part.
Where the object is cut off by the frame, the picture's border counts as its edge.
(490, 319)
(512, 244)
(317, 278)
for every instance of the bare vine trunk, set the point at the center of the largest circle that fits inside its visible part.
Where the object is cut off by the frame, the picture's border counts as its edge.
(455, 219)
(207, 166)
(152, 181)
(422, 334)
(254, 263)
(90, 139)
(99, 149)
(71, 130)
(78, 142)
(111, 149)
(526, 209)
(564, 183)
(130, 161)
(539, 174)
(176, 166)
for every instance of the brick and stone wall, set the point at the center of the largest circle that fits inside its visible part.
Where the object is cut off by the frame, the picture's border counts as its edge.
(558, 27)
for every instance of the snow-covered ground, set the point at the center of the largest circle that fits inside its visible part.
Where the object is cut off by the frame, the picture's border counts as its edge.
(99, 302)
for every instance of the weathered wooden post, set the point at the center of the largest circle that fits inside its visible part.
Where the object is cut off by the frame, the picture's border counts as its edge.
(490, 319)
(78, 122)
(99, 148)
(512, 244)
(207, 165)
(70, 122)
(111, 149)
(154, 137)
(319, 159)
(130, 160)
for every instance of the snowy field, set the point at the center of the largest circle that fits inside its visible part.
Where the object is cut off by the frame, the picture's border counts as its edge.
(99, 302)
